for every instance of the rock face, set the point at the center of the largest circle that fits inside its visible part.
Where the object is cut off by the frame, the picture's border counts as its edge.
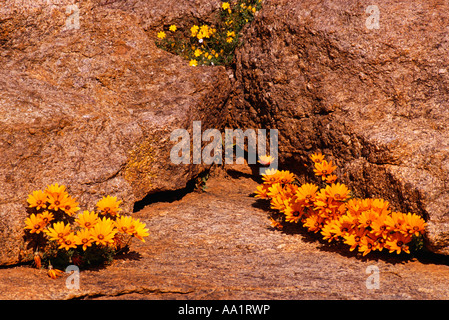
(91, 102)
(368, 86)
(218, 245)
(88, 101)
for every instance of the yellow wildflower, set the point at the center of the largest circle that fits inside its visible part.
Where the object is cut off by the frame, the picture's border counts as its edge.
(46, 217)
(328, 231)
(194, 30)
(34, 224)
(198, 52)
(262, 191)
(57, 201)
(306, 193)
(56, 190)
(37, 199)
(139, 230)
(109, 205)
(317, 157)
(398, 242)
(70, 206)
(413, 224)
(124, 224)
(54, 273)
(87, 219)
(103, 232)
(354, 238)
(58, 232)
(314, 223)
(324, 168)
(68, 242)
(84, 238)
(293, 212)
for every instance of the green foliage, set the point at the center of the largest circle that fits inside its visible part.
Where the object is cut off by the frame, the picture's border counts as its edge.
(215, 44)
(200, 182)
(93, 256)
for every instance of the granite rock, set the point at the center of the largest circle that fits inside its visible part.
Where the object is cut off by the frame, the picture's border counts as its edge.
(372, 96)
(91, 102)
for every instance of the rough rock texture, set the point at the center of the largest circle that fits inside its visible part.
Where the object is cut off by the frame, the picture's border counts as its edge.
(375, 100)
(218, 245)
(93, 107)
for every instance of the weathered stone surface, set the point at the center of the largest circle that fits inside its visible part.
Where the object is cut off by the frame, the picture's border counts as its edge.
(93, 107)
(218, 245)
(375, 100)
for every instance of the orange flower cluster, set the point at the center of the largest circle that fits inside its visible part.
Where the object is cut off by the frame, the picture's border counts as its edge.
(52, 226)
(365, 224)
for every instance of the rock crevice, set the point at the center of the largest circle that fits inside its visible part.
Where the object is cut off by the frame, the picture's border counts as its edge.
(93, 107)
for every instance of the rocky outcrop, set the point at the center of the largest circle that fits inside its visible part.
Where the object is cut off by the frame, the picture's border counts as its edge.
(367, 85)
(87, 100)
(219, 245)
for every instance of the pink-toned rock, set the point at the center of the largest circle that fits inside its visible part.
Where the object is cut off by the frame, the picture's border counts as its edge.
(92, 105)
(375, 100)
(218, 245)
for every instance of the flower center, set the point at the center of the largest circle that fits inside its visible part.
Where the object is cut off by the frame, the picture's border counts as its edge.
(87, 224)
(67, 207)
(60, 235)
(84, 241)
(37, 226)
(100, 236)
(57, 203)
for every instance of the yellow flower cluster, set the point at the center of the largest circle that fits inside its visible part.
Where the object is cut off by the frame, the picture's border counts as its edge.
(202, 32)
(365, 224)
(214, 44)
(53, 222)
